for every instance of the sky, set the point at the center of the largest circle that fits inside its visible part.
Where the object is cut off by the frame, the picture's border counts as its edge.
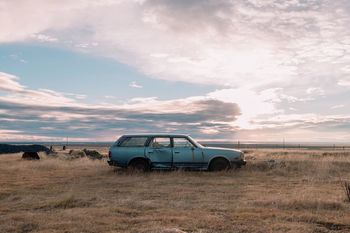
(248, 70)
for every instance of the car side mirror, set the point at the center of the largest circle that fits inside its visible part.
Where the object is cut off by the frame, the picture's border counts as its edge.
(192, 148)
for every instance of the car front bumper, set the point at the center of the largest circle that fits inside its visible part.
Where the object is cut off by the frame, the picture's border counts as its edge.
(239, 163)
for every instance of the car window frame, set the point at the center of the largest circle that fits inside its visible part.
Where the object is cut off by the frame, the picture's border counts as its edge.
(148, 144)
(188, 139)
(122, 139)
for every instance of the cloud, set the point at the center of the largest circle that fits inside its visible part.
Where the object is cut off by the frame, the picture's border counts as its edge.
(300, 128)
(246, 44)
(344, 82)
(41, 114)
(109, 97)
(236, 43)
(315, 91)
(135, 85)
(44, 38)
(99, 122)
(225, 113)
(18, 93)
(76, 96)
(9, 82)
(338, 106)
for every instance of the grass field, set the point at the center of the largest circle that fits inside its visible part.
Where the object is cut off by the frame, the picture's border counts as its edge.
(278, 191)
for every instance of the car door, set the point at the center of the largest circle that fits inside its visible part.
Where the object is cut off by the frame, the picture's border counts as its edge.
(160, 152)
(186, 154)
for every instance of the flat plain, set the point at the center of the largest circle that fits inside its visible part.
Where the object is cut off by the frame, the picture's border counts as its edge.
(277, 191)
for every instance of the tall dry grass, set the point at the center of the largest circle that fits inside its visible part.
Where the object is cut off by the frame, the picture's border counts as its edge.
(346, 185)
(278, 191)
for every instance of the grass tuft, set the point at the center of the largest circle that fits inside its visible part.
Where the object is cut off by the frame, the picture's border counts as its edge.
(346, 185)
(277, 191)
(68, 202)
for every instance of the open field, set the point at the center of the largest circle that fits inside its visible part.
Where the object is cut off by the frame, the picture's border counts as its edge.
(299, 191)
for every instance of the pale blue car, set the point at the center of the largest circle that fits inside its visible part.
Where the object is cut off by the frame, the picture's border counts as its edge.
(171, 151)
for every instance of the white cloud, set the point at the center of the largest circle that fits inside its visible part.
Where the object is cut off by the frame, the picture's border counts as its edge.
(35, 112)
(44, 38)
(76, 96)
(237, 44)
(135, 85)
(251, 103)
(9, 82)
(344, 82)
(315, 91)
(338, 106)
(109, 97)
(245, 44)
(18, 93)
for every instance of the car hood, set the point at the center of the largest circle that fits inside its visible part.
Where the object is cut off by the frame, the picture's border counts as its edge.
(222, 149)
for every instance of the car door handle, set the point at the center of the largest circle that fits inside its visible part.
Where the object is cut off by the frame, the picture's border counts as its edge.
(176, 152)
(150, 152)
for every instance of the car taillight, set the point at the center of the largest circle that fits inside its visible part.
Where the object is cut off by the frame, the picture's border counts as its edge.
(109, 155)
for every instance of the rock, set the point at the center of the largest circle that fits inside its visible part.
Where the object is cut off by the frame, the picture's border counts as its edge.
(273, 163)
(52, 153)
(92, 154)
(30, 156)
(7, 148)
(77, 154)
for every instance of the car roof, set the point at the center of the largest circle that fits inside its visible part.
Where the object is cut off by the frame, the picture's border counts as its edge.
(155, 135)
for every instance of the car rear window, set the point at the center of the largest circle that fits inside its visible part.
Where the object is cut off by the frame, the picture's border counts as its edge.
(133, 142)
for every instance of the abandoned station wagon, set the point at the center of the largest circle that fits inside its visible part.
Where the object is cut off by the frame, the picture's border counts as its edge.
(171, 151)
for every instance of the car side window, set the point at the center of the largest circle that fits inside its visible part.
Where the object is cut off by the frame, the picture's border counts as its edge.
(160, 142)
(133, 142)
(182, 143)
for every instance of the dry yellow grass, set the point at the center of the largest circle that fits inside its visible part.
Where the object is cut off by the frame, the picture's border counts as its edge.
(300, 191)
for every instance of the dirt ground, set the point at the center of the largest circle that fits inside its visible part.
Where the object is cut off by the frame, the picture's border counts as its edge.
(278, 191)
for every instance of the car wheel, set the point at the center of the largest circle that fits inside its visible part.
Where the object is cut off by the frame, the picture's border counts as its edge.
(139, 165)
(219, 164)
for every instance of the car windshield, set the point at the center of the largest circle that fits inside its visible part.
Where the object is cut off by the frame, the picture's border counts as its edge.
(195, 142)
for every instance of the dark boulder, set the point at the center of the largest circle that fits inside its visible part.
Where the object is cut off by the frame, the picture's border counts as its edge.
(76, 154)
(30, 156)
(93, 154)
(8, 149)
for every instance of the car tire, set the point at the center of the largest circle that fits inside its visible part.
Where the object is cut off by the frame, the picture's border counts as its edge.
(139, 165)
(219, 164)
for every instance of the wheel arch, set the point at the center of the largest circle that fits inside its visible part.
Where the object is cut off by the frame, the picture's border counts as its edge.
(137, 158)
(218, 157)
